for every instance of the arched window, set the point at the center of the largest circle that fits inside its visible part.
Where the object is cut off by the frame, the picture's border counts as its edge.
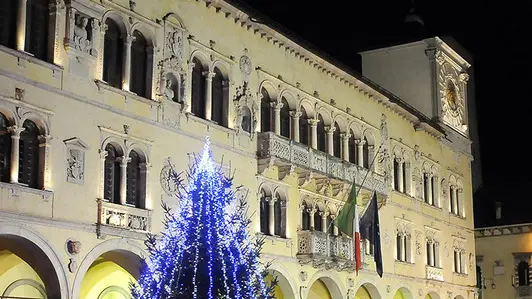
(198, 89)
(8, 23)
(246, 119)
(434, 190)
(305, 220)
(337, 142)
(285, 118)
(5, 150)
(134, 180)
(317, 221)
(28, 170)
(452, 199)
(112, 175)
(322, 145)
(264, 213)
(365, 153)
(37, 28)
(427, 191)
(113, 54)
(523, 272)
(352, 149)
(395, 174)
(279, 217)
(405, 177)
(139, 65)
(265, 111)
(219, 98)
(303, 127)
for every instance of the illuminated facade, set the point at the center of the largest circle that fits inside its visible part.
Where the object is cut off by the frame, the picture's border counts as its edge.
(98, 98)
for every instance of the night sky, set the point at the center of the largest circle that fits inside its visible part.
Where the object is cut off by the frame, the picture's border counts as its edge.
(495, 33)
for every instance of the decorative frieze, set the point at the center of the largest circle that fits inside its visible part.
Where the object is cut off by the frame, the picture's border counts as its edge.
(124, 216)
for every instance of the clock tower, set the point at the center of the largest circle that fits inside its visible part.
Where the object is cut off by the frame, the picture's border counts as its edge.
(430, 76)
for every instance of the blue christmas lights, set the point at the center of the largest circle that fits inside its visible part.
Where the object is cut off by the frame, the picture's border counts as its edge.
(205, 250)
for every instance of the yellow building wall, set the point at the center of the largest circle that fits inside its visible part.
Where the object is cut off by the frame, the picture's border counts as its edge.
(12, 269)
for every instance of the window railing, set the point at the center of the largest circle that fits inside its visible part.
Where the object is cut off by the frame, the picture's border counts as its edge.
(322, 248)
(434, 273)
(524, 291)
(124, 216)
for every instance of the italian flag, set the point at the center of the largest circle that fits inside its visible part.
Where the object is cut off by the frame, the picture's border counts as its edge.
(348, 223)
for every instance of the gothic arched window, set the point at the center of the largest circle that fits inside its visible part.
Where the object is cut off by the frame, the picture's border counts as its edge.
(198, 89)
(395, 174)
(265, 111)
(112, 175)
(113, 54)
(264, 214)
(305, 218)
(28, 170)
(279, 213)
(365, 153)
(139, 65)
(5, 150)
(352, 149)
(337, 141)
(285, 118)
(322, 144)
(317, 221)
(219, 98)
(8, 23)
(37, 28)
(303, 127)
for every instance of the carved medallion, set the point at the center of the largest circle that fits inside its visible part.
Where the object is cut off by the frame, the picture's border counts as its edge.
(168, 179)
(245, 65)
(452, 93)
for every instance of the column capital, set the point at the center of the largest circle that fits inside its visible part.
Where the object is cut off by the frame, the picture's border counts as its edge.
(123, 161)
(103, 154)
(324, 214)
(330, 129)
(313, 121)
(345, 135)
(45, 139)
(129, 39)
(208, 75)
(276, 105)
(460, 190)
(15, 130)
(191, 65)
(360, 142)
(400, 161)
(295, 114)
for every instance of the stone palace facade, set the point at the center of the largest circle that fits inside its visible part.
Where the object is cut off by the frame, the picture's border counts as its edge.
(99, 98)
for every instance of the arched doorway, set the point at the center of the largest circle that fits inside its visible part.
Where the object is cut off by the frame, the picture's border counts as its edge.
(110, 275)
(432, 295)
(367, 291)
(26, 270)
(319, 290)
(403, 293)
(283, 289)
(324, 287)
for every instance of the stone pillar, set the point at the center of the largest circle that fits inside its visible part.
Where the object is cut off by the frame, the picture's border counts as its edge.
(295, 124)
(462, 261)
(271, 219)
(435, 191)
(429, 189)
(277, 116)
(103, 155)
(301, 211)
(101, 42)
(436, 254)
(187, 100)
(345, 146)
(402, 248)
(21, 25)
(454, 191)
(45, 172)
(126, 79)
(400, 178)
(431, 253)
(311, 215)
(335, 228)
(323, 221)
(123, 179)
(313, 132)
(408, 179)
(459, 202)
(208, 94)
(360, 151)
(144, 176)
(330, 139)
(15, 145)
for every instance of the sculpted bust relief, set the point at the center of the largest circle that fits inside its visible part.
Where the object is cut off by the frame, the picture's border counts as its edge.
(81, 40)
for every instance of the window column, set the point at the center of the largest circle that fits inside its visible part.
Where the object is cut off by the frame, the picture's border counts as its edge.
(277, 116)
(324, 221)
(295, 124)
(21, 26)
(360, 151)
(430, 253)
(311, 215)
(271, 216)
(123, 179)
(371, 154)
(436, 254)
(126, 64)
(208, 94)
(188, 86)
(44, 164)
(400, 177)
(313, 132)
(103, 155)
(15, 145)
(454, 198)
(459, 202)
(408, 178)
(429, 188)
(335, 228)
(462, 261)
(345, 146)
(144, 179)
(330, 139)
(435, 191)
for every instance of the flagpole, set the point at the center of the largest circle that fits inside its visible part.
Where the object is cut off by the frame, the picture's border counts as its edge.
(364, 180)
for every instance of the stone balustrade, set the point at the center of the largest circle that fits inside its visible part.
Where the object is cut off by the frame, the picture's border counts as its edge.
(434, 273)
(322, 249)
(124, 216)
(524, 292)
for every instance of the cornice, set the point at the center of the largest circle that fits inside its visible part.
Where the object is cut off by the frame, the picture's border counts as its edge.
(503, 230)
(449, 51)
(343, 75)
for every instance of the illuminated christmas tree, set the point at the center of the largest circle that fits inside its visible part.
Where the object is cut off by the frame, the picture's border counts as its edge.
(205, 250)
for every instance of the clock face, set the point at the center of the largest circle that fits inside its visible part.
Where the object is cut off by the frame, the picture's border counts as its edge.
(451, 95)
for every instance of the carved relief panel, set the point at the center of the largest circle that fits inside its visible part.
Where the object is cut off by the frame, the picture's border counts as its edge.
(75, 160)
(82, 29)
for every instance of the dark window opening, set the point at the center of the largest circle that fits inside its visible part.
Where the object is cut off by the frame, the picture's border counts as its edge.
(112, 175)
(139, 65)
(322, 143)
(337, 141)
(303, 127)
(8, 23)
(219, 98)
(28, 171)
(133, 187)
(198, 89)
(265, 112)
(5, 150)
(285, 118)
(37, 28)
(112, 54)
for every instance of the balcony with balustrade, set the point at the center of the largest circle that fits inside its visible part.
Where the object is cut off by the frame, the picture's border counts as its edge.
(293, 157)
(434, 273)
(122, 220)
(323, 250)
(523, 292)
